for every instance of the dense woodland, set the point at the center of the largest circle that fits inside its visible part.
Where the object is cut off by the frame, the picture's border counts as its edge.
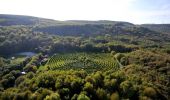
(83, 60)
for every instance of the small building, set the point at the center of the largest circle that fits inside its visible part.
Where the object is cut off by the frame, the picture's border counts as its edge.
(12, 58)
(23, 73)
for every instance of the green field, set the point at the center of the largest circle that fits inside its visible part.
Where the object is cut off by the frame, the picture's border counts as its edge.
(82, 61)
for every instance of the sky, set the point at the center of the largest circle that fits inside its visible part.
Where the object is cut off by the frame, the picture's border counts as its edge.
(134, 11)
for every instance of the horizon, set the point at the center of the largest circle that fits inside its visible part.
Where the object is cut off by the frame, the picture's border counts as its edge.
(133, 11)
(84, 20)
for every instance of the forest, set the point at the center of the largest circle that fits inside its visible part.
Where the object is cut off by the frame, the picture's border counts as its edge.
(45, 59)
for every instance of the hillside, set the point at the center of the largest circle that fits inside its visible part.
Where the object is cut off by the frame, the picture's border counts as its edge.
(7, 20)
(45, 59)
(164, 28)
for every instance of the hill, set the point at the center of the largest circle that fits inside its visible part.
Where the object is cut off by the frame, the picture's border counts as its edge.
(163, 28)
(7, 20)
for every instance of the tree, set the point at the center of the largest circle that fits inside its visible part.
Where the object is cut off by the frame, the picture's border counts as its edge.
(118, 56)
(88, 87)
(1, 62)
(74, 97)
(124, 61)
(128, 90)
(83, 97)
(101, 94)
(150, 92)
(23, 96)
(115, 96)
(110, 84)
(30, 68)
(53, 96)
(113, 53)
(42, 93)
(90, 79)
(76, 84)
(98, 78)
(19, 80)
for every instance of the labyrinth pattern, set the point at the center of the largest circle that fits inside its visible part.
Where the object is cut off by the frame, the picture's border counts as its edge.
(82, 61)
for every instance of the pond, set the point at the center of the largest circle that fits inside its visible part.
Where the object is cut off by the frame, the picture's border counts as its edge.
(21, 54)
(27, 54)
(19, 57)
